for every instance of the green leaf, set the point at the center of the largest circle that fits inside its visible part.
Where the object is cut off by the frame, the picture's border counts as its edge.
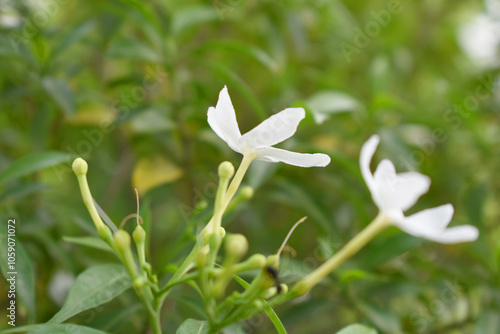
(382, 318)
(92, 242)
(32, 163)
(268, 309)
(75, 35)
(325, 103)
(20, 191)
(95, 286)
(129, 48)
(357, 329)
(488, 323)
(191, 326)
(247, 50)
(53, 329)
(60, 92)
(25, 277)
(192, 16)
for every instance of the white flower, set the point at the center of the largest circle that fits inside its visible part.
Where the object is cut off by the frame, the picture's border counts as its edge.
(258, 141)
(394, 193)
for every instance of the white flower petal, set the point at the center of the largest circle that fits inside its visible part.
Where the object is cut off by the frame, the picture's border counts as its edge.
(273, 130)
(431, 224)
(427, 221)
(222, 120)
(292, 158)
(456, 234)
(398, 191)
(365, 158)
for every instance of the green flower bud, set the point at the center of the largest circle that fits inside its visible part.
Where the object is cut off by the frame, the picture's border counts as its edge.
(139, 235)
(236, 245)
(246, 192)
(257, 261)
(226, 170)
(273, 260)
(139, 282)
(122, 240)
(80, 167)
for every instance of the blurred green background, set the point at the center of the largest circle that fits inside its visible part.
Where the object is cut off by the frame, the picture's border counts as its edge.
(126, 85)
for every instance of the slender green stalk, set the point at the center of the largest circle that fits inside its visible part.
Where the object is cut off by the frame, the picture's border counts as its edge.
(351, 248)
(238, 177)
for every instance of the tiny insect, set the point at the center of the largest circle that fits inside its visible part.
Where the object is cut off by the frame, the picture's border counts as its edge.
(274, 273)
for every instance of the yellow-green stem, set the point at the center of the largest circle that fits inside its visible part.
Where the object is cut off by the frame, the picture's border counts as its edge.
(351, 248)
(238, 177)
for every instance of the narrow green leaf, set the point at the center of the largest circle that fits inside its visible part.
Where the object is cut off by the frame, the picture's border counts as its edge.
(325, 103)
(20, 191)
(60, 92)
(24, 273)
(75, 35)
(247, 50)
(192, 16)
(357, 329)
(130, 48)
(268, 309)
(382, 318)
(53, 329)
(95, 286)
(32, 163)
(191, 326)
(92, 242)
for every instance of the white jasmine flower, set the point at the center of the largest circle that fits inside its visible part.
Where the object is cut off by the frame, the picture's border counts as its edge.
(395, 193)
(258, 142)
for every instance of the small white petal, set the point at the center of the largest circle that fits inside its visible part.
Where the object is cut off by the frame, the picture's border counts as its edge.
(431, 224)
(273, 154)
(273, 130)
(365, 158)
(398, 191)
(456, 234)
(222, 120)
(428, 221)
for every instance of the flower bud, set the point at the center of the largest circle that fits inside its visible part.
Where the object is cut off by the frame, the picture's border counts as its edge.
(122, 240)
(273, 260)
(80, 167)
(201, 256)
(246, 192)
(236, 245)
(139, 282)
(139, 235)
(226, 170)
(257, 261)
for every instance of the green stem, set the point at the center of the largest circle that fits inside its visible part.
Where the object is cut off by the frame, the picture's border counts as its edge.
(238, 177)
(351, 248)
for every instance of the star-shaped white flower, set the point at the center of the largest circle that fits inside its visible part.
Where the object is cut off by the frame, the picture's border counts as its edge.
(258, 142)
(394, 193)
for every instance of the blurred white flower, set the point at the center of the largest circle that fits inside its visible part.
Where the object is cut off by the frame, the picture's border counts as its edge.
(59, 286)
(257, 142)
(395, 193)
(480, 38)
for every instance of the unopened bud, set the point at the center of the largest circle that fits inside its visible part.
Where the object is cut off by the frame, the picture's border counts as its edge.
(246, 192)
(236, 245)
(139, 235)
(257, 261)
(201, 256)
(273, 260)
(80, 167)
(122, 240)
(139, 282)
(226, 170)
